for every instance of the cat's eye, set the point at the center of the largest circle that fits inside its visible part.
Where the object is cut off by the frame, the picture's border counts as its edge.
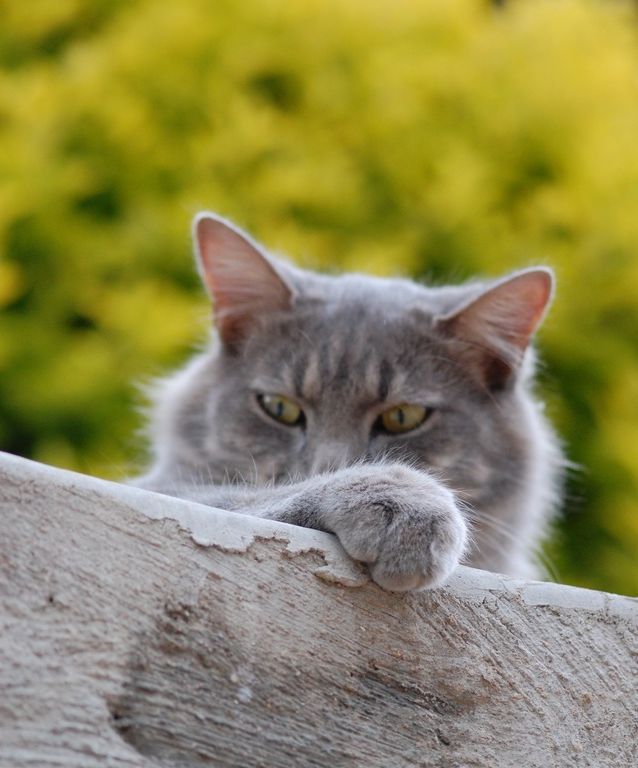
(282, 409)
(403, 418)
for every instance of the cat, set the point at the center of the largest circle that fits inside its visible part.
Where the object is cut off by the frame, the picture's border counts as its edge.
(397, 416)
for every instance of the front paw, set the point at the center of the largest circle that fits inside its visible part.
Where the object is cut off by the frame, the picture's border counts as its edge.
(402, 522)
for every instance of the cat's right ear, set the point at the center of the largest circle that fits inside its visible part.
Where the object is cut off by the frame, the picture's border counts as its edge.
(496, 327)
(240, 279)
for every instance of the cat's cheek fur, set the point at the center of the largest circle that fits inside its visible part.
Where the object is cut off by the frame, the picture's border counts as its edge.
(401, 521)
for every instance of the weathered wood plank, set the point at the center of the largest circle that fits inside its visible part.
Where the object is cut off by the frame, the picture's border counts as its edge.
(206, 638)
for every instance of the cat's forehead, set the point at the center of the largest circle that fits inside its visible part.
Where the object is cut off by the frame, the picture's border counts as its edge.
(374, 320)
(341, 370)
(357, 338)
(353, 344)
(346, 292)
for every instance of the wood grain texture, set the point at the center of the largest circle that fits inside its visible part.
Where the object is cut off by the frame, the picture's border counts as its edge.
(137, 630)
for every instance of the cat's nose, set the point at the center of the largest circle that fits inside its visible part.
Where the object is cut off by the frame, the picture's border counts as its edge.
(331, 455)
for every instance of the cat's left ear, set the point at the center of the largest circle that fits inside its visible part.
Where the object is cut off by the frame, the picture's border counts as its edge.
(240, 278)
(494, 330)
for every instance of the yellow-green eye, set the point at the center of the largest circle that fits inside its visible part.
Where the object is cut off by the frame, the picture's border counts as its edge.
(282, 409)
(403, 418)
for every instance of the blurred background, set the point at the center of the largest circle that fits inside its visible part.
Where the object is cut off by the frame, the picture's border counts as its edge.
(438, 139)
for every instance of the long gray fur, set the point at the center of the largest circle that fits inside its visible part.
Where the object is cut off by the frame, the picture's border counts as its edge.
(478, 482)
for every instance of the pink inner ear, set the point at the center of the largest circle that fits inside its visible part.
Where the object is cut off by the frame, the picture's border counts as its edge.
(220, 254)
(509, 312)
(239, 277)
(495, 328)
(531, 293)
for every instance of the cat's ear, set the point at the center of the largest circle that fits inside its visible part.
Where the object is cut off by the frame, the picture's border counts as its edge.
(240, 279)
(493, 330)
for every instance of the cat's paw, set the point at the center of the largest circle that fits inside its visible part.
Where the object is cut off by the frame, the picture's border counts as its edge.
(402, 522)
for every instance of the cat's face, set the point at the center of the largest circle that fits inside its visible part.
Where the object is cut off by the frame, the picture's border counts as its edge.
(313, 372)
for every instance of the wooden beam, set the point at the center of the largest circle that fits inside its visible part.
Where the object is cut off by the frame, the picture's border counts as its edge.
(138, 630)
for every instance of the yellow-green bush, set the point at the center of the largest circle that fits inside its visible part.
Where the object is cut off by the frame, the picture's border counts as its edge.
(438, 138)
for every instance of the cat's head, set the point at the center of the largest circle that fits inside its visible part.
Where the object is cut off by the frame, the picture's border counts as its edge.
(308, 372)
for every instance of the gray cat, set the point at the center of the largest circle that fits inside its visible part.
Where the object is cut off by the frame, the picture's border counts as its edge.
(397, 416)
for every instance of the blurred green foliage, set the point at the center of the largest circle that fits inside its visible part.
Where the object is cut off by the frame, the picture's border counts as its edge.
(442, 139)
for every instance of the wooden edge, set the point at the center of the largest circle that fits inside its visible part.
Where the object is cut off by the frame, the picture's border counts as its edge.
(233, 532)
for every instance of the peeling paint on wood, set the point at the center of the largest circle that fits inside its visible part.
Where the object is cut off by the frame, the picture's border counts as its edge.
(138, 630)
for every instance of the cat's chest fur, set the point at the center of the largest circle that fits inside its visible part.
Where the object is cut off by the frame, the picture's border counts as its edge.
(407, 409)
